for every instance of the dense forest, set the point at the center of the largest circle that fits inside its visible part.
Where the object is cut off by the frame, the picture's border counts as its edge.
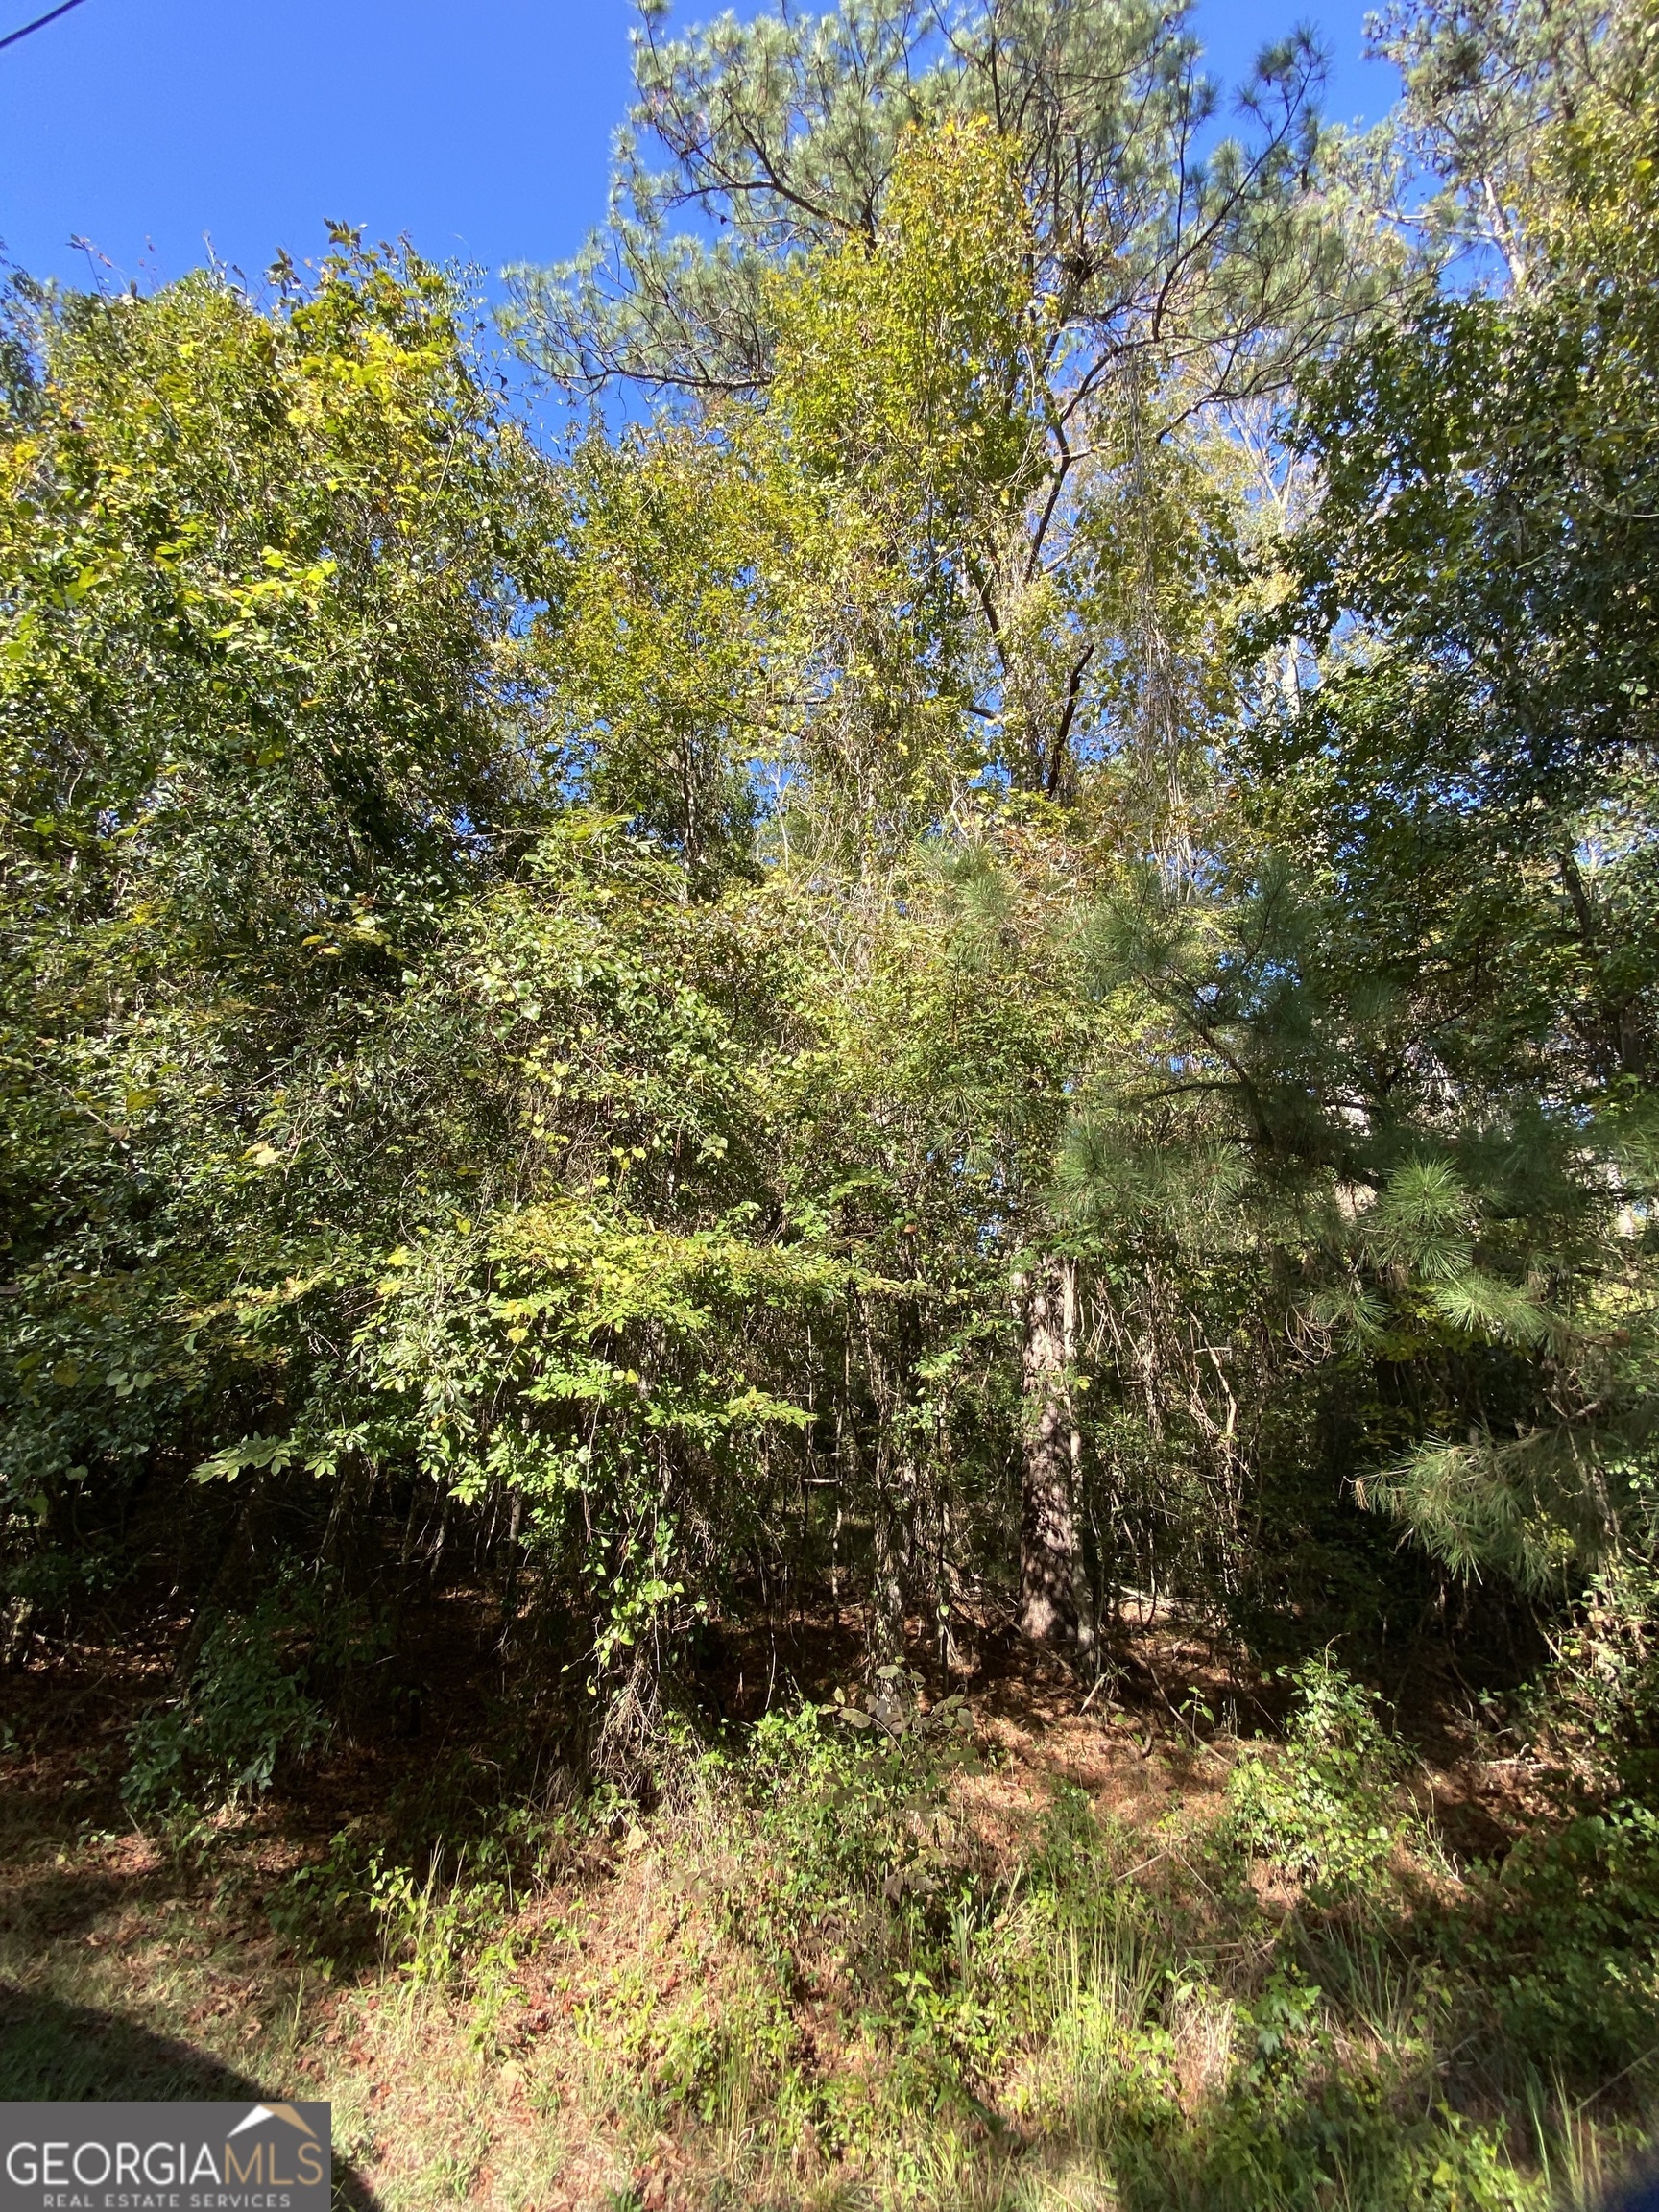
(906, 1006)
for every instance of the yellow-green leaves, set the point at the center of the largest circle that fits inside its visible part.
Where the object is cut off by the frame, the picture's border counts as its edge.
(906, 360)
(269, 572)
(672, 663)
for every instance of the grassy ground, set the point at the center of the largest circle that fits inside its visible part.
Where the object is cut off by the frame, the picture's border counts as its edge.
(1013, 1950)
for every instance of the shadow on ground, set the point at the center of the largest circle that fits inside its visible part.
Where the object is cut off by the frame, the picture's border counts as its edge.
(72, 2054)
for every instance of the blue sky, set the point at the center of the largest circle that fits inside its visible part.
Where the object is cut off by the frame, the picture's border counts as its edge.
(479, 127)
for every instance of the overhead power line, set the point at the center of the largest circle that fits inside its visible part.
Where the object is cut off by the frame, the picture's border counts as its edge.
(39, 23)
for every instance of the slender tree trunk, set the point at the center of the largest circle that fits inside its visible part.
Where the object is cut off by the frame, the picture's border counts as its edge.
(887, 1591)
(510, 1579)
(1084, 1582)
(1049, 1550)
(889, 1505)
(342, 1539)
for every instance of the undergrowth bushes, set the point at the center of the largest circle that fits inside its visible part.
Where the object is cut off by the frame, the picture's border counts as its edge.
(1078, 2021)
(819, 1965)
(1560, 1947)
(253, 1698)
(1325, 1810)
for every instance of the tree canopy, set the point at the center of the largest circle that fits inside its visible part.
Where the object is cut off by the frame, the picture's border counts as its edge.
(991, 943)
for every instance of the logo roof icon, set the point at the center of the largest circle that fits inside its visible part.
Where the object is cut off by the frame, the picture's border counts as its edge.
(274, 2112)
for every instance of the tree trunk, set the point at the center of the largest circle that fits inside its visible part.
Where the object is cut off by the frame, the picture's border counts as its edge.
(889, 1503)
(1049, 1554)
(887, 1562)
(344, 1537)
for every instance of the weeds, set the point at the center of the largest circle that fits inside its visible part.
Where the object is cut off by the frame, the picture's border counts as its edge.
(265, 1690)
(1069, 2037)
(814, 1977)
(245, 1709)
(1324, 1812)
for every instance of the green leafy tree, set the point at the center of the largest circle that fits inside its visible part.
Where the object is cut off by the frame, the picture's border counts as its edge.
(264, 715)
(1472, 786)
(992, 305)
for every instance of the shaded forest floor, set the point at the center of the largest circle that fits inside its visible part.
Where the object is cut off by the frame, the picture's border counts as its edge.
(1002, 1954)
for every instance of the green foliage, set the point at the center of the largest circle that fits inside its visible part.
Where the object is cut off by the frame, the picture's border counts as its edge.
(1325, 1811)
(430, 1928)
(1140, 2039)
(1563, 1946)
(852, 1794)
(543, 984)
(1592, 1713)
(985, 950)
(248, 1709)
(260, 568)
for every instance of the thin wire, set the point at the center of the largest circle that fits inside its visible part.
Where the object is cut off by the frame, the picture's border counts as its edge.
(39, 23)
